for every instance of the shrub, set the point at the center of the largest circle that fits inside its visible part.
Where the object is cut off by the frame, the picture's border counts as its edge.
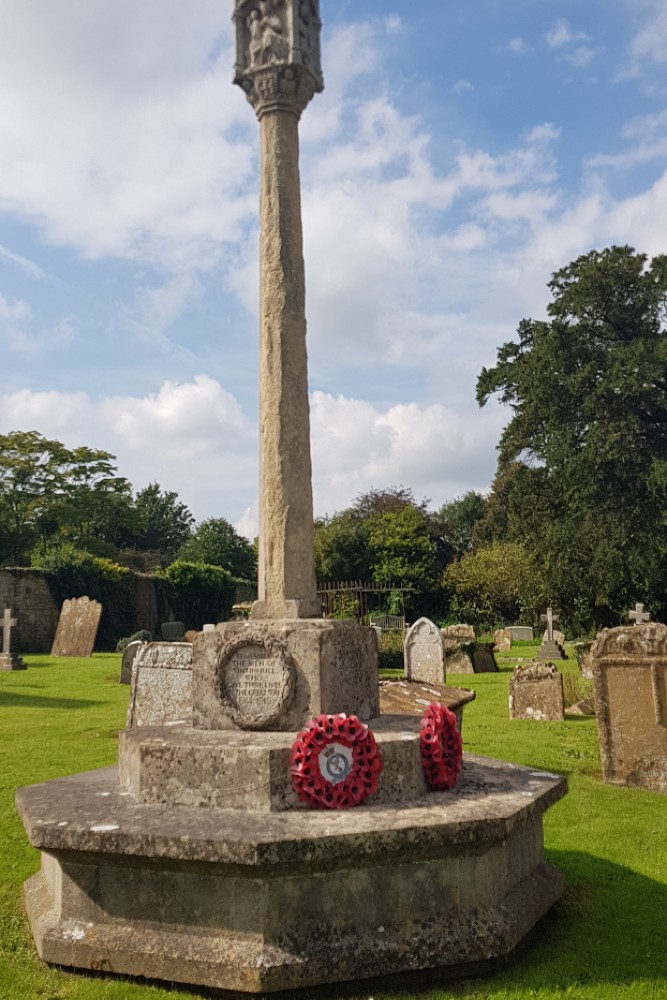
(200, 593)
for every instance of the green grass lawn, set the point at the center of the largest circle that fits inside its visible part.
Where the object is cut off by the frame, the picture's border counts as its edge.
(607, 938)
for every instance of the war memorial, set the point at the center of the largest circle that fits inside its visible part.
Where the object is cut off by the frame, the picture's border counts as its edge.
(286, 834)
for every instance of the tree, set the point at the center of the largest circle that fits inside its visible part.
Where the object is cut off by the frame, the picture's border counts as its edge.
(588, 391)
(387, 501)
(49, 493)
(216, 543)
(164, 523)
(341, 548)
(496, 585)
(458, 519)
(403, 552)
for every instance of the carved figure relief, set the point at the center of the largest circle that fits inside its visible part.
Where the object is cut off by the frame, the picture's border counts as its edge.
(267, 33)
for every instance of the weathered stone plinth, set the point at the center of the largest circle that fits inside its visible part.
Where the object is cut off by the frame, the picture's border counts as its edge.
(265, 901)
(302, 667)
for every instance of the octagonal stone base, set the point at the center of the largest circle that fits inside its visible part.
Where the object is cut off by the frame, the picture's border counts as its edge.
(265, 901)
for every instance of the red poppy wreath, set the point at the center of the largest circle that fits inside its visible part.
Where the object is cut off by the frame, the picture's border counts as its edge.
(441, 747)
(335, 762)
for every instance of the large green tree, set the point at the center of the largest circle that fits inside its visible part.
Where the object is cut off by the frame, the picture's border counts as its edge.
(49, 493)
(588, 392)
(216, 543)
(164, 523)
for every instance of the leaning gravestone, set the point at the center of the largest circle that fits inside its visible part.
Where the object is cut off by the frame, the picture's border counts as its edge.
(423, 653)
(8, 660)
(129, 654)
(630, 679)
(77, 627)
(536, 692)
(162, 685)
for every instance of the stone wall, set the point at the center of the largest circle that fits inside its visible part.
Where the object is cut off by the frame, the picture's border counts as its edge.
(27, 593)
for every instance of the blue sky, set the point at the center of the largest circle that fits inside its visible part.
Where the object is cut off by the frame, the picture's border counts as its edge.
(460, 153)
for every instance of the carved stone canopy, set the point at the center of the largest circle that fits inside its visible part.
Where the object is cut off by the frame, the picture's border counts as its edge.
(278, 62)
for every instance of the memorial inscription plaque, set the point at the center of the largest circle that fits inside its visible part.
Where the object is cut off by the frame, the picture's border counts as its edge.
(256, 683)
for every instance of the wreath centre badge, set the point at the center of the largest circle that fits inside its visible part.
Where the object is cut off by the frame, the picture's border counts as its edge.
(335, 762)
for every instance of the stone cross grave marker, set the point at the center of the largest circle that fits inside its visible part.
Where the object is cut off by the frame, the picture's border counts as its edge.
(550, 619)
(7, 625)
(7, 659)
(639, 615)
(77, 627)
(550, 649)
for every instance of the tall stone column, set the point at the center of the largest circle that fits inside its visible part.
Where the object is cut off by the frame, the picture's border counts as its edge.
(278, 67)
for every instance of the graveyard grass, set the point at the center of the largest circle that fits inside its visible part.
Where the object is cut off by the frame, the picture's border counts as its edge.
(607, 938)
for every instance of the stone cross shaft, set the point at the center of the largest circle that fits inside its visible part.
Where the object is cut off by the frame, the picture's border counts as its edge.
(639, 615)
(278, 67)
(7, 624)
(550, 619)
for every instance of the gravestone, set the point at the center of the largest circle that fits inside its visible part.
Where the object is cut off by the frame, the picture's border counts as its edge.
(161, 685)
(521, 633)
(8, 660)
(129, 654)
(550, 649)
(536, 692)
(172, 631)
(582, 651)
(630, 680)
(469, 657)
(194, 861)
(77, 627)
(502, 640)
(423, 653)
(459, 633)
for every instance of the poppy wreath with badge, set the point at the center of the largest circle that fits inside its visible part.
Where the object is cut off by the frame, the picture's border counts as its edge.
(441, 747)
(335, 762)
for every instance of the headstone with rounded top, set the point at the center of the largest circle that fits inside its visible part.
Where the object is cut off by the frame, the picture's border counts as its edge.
(423, 653)
(77, 627)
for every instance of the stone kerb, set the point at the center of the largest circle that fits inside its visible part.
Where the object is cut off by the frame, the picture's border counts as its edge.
(423, 653)
(536, 692)
(629, 667)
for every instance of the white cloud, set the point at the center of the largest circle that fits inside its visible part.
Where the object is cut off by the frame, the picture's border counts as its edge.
(115, 146)
(561, 35)
(650, 42)
(357, 446)
(187, 436)
(562, 38)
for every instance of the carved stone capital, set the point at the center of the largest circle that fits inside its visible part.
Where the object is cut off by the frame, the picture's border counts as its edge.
(278, 63)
